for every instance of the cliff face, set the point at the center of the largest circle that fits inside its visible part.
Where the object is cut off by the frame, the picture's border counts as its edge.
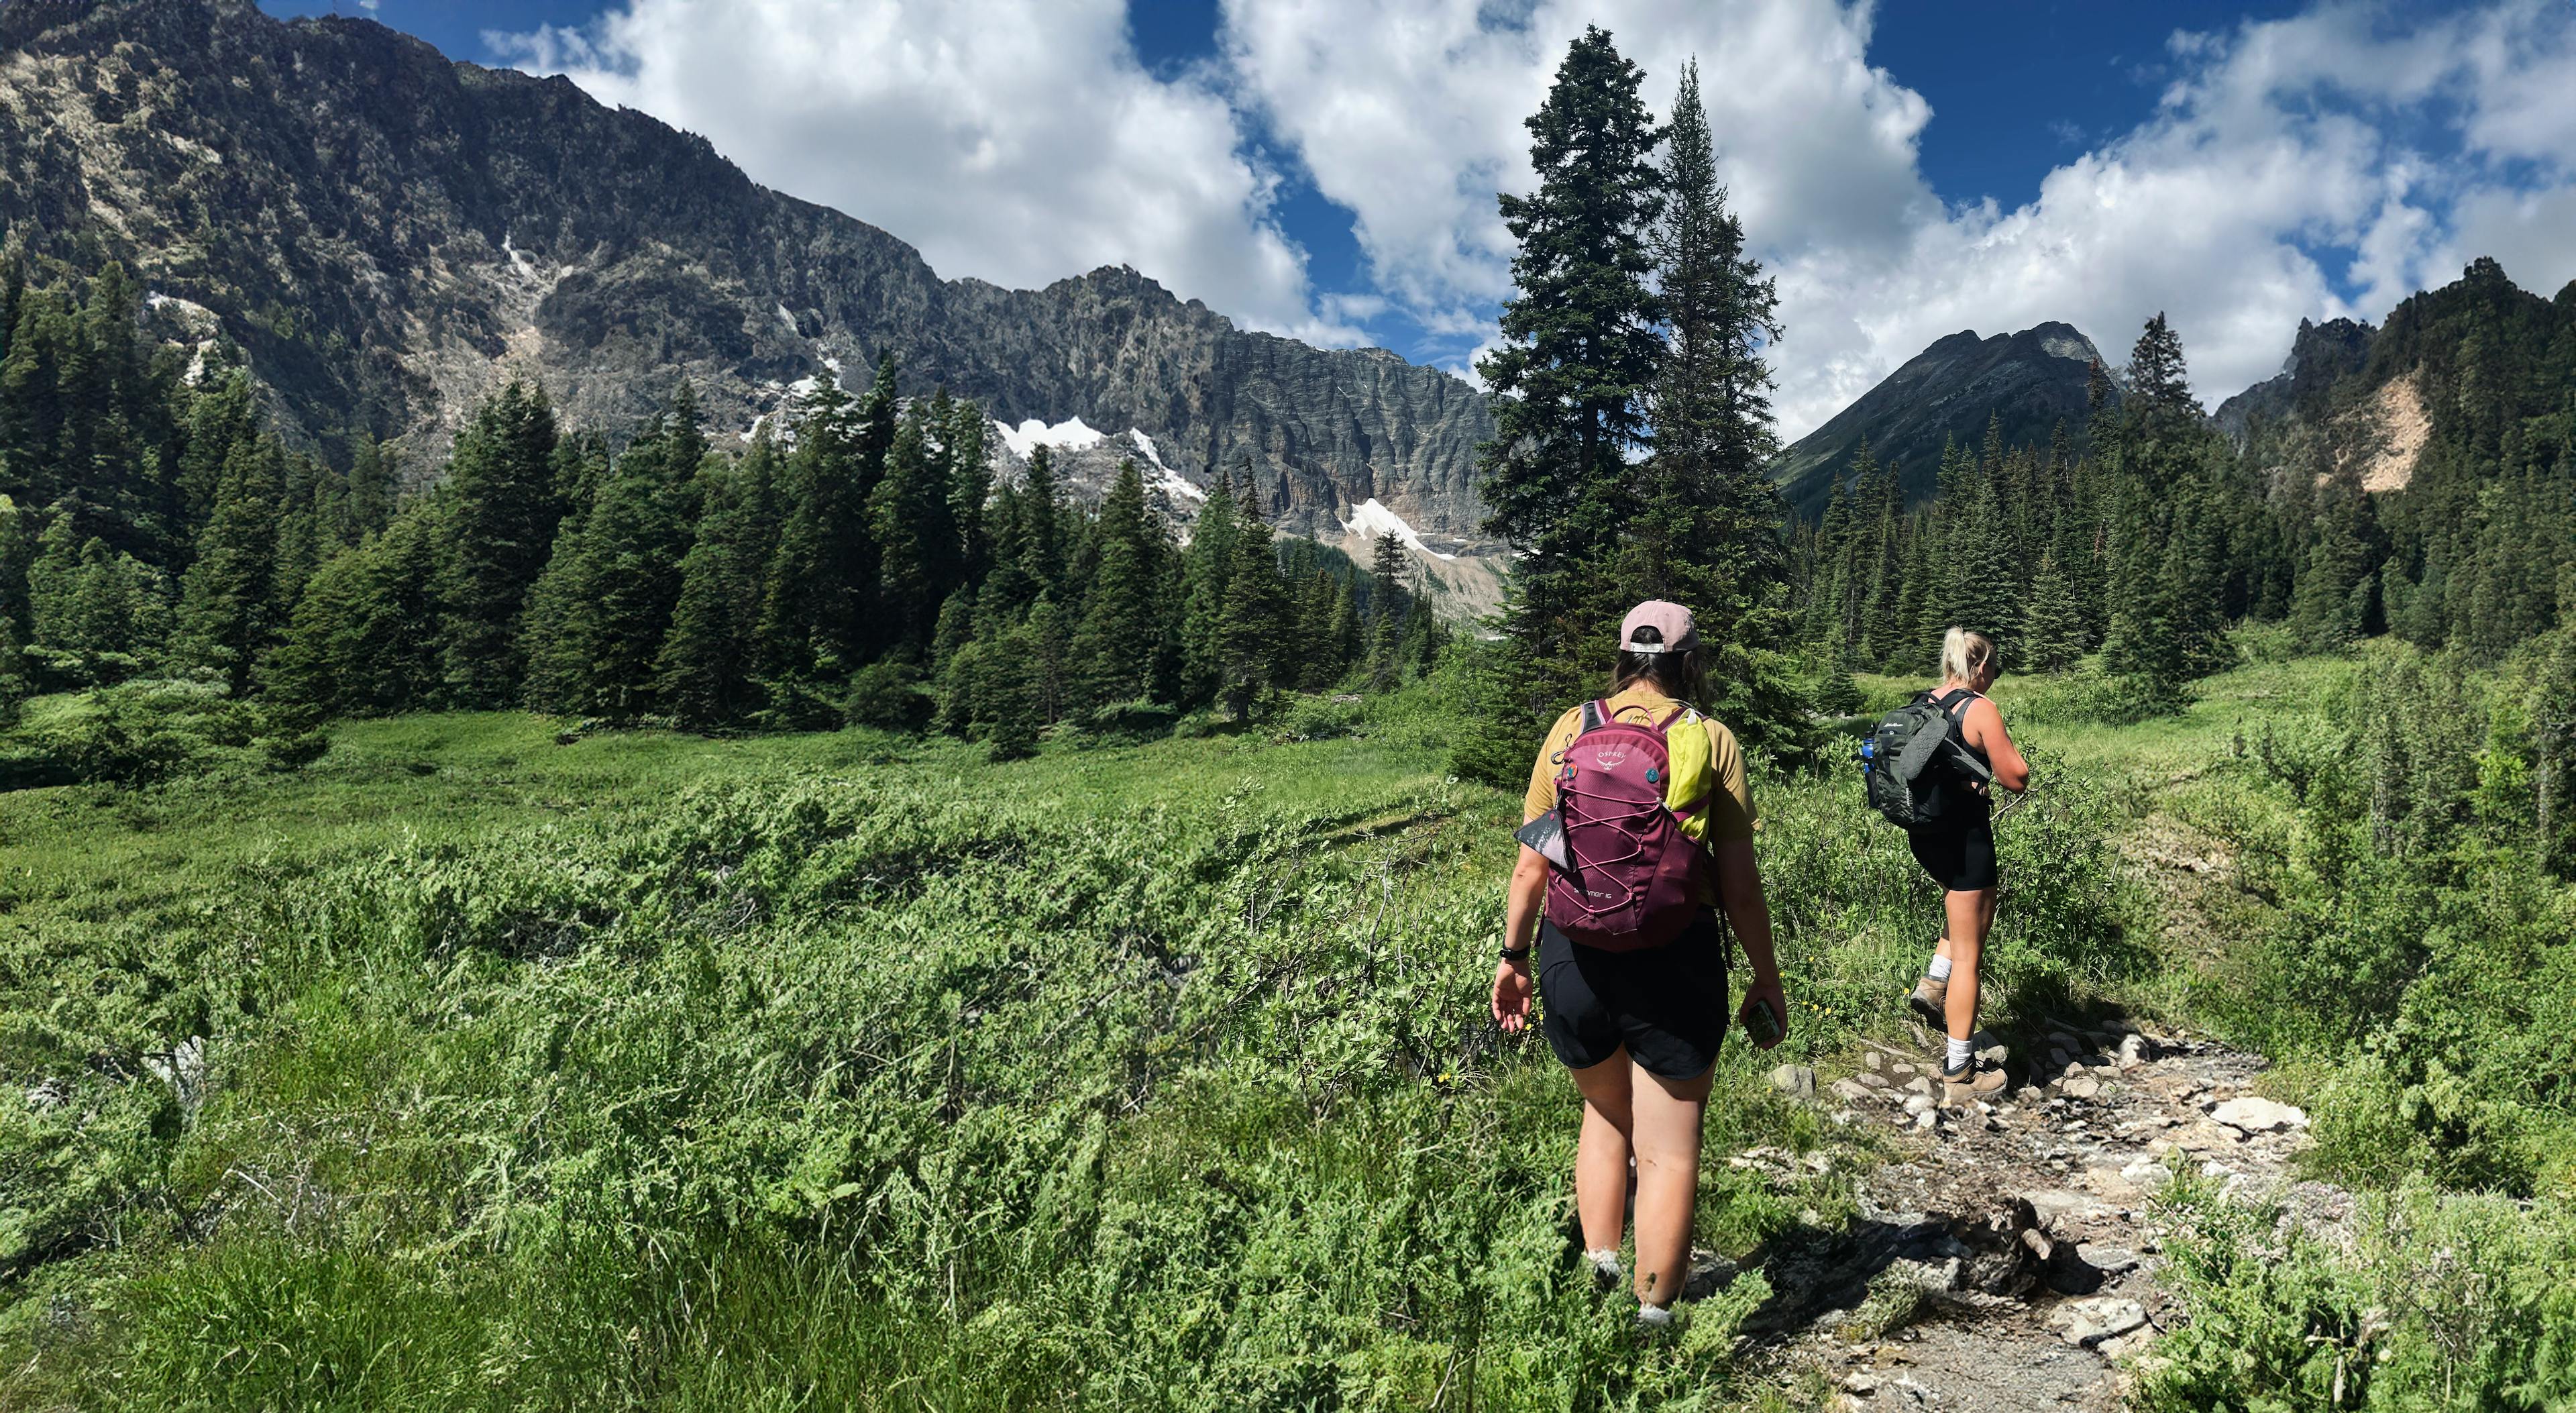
(388, 235)
(2319, 355)
(2032, 380)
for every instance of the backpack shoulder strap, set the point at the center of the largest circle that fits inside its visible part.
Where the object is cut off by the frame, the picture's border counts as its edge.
(1594, 714)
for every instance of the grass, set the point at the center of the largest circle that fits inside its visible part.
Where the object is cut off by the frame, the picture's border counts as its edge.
(653, 1071)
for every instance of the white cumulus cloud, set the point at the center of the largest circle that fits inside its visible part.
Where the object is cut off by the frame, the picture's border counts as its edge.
(1018, 141)
(2322, 165)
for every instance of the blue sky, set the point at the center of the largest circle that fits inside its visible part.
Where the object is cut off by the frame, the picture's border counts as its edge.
(1326, 168)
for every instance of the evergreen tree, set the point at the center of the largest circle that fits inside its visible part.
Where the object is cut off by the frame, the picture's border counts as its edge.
(1207, 567)
(1115, 650)
(1580, 351)
(953, 657)
(702, 673)
(916, 536)
(602, 612)
(228, 613)
(1252, 636)
(821, 584)
(366, 638)
(500, 522)
(1041, 507)
(2052, 629)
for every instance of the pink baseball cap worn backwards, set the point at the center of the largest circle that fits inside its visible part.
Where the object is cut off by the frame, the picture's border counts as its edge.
(1672, 625)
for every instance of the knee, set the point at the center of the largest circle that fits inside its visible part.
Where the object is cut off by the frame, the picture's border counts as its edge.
(1617, 1116)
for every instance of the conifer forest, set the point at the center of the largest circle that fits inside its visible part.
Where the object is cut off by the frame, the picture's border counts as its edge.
(531, 908)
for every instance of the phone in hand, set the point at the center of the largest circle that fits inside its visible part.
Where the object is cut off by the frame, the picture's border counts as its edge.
(1761, 1024)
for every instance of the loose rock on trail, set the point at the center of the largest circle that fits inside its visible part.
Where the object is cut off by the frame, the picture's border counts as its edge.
(2006, 1258)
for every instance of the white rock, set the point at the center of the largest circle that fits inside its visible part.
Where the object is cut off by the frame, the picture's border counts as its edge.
(1795, 1080)
(2146, 1175)
(1919, 1104)
(2087, 1323)
(2257, 1115)
(1927, 1118)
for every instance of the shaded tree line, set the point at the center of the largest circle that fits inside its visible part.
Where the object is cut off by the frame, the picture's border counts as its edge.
(2149, 545)
(856, 562)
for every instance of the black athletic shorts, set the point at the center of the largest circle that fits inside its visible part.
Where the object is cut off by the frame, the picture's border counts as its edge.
(1960, 857)
(1666, 1004)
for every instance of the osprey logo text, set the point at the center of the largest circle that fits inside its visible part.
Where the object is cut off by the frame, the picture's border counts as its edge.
(1611, 755)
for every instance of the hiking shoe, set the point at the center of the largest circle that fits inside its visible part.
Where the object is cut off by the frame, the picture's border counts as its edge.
(1605, 1267)
(1969, 1084)
(1930, 1002)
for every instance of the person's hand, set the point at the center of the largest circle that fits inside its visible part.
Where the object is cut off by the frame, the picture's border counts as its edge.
(1513, 993)
(1766, 989)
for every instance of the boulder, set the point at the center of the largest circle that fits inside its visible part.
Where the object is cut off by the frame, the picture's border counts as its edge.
(2256, 1115)
(2087, 1323)
(1798, 1081)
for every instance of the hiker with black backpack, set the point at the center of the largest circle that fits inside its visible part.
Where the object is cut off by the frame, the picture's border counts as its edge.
(1637, 829)
(1931, 766)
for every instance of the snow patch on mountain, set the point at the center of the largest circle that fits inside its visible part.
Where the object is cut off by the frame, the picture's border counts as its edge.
(1373, 519)
(1067, 435)
(1167, 480)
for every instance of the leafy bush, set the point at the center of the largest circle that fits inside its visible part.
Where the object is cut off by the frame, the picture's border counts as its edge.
(140, 733)
(888, 694)
(2437, 1301)
(2091, 697)
(1129, 723)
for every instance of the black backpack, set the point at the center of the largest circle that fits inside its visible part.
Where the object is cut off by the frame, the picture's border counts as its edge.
(1913, 755)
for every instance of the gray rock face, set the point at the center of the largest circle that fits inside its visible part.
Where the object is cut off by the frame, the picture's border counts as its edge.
(388, 235)
(2032, 380)
(2319, 355)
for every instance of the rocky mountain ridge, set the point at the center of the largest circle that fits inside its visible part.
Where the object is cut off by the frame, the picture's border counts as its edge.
(387, 236)
(2031, 381)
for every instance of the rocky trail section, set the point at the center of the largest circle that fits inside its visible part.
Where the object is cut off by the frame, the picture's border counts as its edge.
(2007, 1258)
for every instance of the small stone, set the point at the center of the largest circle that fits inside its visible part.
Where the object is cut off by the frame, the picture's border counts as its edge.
(1927, 1119)
(2146, 1175)
(1898, 1069)
(2256, 1115)
(1920, 1086)
(1872, 1079)
(1850, 1091)
(1993, 1055)
(2087, 1323)
(2135, 1051)
(2082, 1088)
(2110, 1260)
(1919, 1104)
(2066, 1042)
(1861, 1383)
(2048, 1205)
(1798, 1081)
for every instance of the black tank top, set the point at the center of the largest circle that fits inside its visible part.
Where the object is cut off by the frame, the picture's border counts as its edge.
(1964, 808)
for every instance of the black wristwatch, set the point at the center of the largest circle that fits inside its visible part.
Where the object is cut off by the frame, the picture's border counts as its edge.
(1515, 954)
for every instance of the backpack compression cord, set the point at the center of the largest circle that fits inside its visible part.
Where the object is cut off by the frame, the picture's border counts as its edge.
(1633, 877)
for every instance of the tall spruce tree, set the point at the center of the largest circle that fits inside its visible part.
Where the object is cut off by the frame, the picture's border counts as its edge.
(1114, 652)
(1253, 636)
(1581, 348)
(502, 510)
(821, 586)
(915, 531)
(703, 671)
(601, 613)
(228, 612)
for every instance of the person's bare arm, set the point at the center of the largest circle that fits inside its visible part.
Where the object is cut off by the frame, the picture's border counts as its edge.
(1739, 888)
(1985, 731)
(1522, 900)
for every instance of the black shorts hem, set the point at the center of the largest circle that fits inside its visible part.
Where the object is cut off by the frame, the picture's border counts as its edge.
(1961, 858)
(1666, 1006)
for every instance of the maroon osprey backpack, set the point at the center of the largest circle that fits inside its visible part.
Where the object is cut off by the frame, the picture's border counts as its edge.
(1629, 878)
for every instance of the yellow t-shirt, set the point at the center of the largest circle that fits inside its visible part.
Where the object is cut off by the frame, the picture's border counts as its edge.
(1730, 814)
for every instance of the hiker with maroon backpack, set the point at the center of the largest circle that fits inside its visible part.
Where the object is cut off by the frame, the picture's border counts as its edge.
(1638, 827)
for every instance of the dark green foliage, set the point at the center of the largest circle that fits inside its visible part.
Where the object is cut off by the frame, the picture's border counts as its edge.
(601, 614)
(815, 620)
(920, 555)
(502, 509)
(365, 639)
(1255, 638)
(1121, 639)
(702, 675)
(1580, 354)
(230, 605)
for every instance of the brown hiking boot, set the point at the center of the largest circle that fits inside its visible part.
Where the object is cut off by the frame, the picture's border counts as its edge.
(1962, 1087)
(1929, 1003)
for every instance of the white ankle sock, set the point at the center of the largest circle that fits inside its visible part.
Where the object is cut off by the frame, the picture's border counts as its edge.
(1960, 1053)
(1939, 970)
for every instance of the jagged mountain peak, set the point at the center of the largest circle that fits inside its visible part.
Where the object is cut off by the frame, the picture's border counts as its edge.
(387, 235)
(2030, 381)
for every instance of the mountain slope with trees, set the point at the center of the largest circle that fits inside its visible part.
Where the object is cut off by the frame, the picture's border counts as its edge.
(389, 238)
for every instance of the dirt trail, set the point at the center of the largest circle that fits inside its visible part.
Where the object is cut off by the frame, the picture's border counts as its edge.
(2007, 1259)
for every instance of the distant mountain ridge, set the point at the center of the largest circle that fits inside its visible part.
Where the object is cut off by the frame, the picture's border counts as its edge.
(2031, 381)
(388, 235)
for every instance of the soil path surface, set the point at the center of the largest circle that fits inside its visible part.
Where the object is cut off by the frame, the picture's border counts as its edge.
(2006, 1259)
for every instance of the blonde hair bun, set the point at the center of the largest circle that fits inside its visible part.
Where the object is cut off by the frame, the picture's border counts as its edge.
(1965, 654)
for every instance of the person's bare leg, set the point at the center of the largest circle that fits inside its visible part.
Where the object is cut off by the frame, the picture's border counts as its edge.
(1969, 915)
(1666, 1135)
(1601, 1155)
